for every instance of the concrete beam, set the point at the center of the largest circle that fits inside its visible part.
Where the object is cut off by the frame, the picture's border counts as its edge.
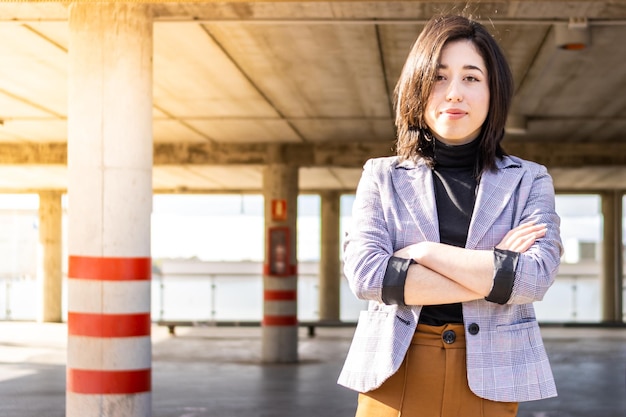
(327, 154)
(570, 155)
(324, 154)
(306, 155)
(33, 153)
(324, 10)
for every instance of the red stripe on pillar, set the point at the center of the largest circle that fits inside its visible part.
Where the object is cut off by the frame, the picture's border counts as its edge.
(280, 295)
(291, 270)
(280, 320)
(108, 325)
(109, 269)
(83, 381)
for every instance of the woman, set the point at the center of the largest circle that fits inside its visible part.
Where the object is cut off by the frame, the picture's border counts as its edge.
(452, 240)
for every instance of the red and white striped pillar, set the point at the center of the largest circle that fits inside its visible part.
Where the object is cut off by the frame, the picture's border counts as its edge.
(109, 356)
(280, 275)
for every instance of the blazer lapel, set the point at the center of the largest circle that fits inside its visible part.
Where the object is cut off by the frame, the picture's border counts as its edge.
(414, 187)
(495, 190)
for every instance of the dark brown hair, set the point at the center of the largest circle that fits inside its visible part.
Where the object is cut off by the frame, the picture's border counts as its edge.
(417, 79)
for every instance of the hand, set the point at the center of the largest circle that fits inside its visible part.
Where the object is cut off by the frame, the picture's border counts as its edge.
(413, 251)
(404, 253)
(522, 237)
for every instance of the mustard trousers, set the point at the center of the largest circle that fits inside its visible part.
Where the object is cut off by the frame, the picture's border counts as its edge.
(432, 382)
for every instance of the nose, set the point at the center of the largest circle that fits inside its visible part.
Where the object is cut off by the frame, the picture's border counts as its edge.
(454, 93)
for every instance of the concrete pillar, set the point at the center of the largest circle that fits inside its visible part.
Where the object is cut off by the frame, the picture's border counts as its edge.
(49, 268)
(280, 276)
(109, 354)
(330, 276)
(612, 271)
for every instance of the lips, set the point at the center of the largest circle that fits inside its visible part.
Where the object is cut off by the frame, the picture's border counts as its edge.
(454, 113)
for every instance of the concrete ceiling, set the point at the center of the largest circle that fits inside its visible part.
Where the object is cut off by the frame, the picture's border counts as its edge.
(234, 81)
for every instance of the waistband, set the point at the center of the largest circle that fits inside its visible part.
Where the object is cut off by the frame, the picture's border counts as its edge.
(448, 336)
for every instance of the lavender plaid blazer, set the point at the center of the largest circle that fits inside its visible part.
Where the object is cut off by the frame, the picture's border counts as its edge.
(395, 207)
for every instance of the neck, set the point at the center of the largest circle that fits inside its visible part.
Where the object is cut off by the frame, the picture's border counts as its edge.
(456, 156)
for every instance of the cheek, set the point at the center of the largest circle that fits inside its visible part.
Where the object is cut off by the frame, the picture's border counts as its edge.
(484, 99)
(429, 117)
(480, 107)
(431, 109)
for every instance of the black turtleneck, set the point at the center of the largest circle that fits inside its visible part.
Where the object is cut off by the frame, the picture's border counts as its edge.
(455, 183)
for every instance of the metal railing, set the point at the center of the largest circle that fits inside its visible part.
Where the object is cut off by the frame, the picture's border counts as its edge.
(237, 296)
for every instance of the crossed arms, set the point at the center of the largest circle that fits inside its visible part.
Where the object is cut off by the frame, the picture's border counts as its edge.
(447, 274)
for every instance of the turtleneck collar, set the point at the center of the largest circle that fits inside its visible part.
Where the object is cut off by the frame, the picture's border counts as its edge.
(456, 156)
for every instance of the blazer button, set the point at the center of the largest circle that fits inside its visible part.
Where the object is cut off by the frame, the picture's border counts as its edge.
(473, 329)
(449, 337)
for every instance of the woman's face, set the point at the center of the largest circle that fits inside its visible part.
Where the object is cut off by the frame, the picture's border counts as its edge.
(459, 102)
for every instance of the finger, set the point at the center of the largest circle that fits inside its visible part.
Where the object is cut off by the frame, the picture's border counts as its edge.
(522, 232)
(524, 225)
(522, 240)
(528, 227)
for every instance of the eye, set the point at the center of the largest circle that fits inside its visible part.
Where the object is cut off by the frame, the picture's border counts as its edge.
(472, 79)
(439, 77)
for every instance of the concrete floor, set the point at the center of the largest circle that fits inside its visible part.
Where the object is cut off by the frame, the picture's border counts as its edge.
(216, 372)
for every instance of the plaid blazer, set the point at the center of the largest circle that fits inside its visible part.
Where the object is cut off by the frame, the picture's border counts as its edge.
(395, 207)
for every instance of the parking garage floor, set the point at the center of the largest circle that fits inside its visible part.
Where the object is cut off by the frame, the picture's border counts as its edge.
(216, 372)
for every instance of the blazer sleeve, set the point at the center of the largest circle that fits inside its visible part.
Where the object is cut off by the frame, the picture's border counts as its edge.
(368, 245)
(538, 266)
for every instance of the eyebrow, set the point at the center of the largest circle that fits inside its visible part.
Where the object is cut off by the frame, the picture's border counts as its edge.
(465, 67)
